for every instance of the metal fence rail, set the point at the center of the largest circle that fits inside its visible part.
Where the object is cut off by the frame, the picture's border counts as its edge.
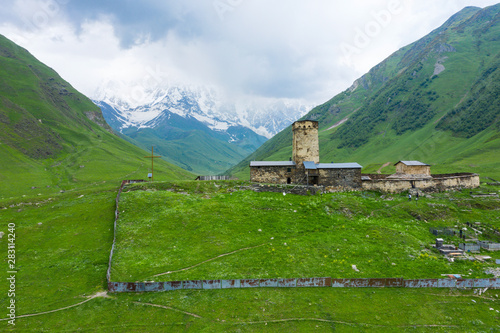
(489, 245)
(213, 178)
(121, 287)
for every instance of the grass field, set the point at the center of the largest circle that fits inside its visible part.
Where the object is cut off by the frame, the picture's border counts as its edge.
(100, 164)
(277, 236)
(63, 247)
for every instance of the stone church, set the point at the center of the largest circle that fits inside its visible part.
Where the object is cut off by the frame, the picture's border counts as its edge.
(304, 167)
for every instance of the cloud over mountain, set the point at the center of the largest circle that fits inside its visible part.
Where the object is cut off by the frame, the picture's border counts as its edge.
(279, 49)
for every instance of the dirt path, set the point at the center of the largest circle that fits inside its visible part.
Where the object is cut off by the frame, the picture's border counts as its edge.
(204, 262)
(169, 308)
(302, 319)
(379, 171)
(100, 294)
(338, 124)
(133, 172)
(335, 322)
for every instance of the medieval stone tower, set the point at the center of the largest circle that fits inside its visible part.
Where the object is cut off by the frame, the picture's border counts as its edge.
(305, 142)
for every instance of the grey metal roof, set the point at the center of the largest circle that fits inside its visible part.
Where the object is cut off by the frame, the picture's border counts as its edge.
(271, 163)
(412, 163)
(339, 166)
(309, 165)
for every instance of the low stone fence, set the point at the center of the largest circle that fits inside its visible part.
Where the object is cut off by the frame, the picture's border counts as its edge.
(121, 287)
(117, 215)
(435, 184)
(289, 189)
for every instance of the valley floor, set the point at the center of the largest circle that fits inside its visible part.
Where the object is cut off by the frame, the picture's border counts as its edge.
(63, 244)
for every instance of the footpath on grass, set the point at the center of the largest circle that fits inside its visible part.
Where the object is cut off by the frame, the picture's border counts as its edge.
(320, 282)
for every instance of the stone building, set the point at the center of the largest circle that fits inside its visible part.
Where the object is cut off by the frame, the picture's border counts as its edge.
(435, 183)
(416, 168)
(417, 176)
(274, 172)
(304, 167)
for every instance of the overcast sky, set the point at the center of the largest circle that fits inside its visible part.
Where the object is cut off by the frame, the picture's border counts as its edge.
(309, 50)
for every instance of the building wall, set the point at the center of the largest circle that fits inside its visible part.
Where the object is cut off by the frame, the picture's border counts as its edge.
(393, 185)
(340, 178)
(305, 145)
(463, 181)
(448, 182)
(413, 169)
(272, 174)
(337, 178)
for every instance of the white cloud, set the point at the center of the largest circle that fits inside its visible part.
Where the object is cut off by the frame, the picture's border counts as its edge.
(279, 49)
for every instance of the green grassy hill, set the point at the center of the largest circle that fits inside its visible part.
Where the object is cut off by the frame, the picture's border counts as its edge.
(62, 251)
(435, 100)
(53, 138)
(192, 150)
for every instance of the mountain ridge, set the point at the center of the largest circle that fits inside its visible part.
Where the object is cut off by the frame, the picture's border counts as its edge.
(169, 114)
(52, 138)
(406, 98)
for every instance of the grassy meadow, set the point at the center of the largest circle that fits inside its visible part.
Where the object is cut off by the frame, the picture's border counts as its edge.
(170, 227)
(63, 244)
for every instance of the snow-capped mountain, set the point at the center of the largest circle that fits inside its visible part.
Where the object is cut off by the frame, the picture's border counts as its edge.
(141, 108)
(180, 120)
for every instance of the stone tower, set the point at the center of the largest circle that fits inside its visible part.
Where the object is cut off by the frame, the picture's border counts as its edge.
(305, 142)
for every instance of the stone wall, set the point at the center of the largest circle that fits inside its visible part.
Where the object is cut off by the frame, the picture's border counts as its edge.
(436, 183)
(344, 178)
(338, 178)
(457, 181)
(289, 189)
(413, 169)
(272, 174)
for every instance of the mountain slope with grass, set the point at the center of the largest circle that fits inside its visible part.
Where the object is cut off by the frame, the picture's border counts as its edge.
(53, 138)
(186, 141)
(435, 100)
(180, 119)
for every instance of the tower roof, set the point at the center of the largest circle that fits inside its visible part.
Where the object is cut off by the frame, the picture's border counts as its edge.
(305, 120)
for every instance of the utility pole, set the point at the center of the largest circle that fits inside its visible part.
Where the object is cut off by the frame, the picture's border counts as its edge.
(152, 157)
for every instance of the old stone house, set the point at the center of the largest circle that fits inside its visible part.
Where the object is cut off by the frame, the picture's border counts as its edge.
(417, 175)
(413, 168)
(304, 167)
